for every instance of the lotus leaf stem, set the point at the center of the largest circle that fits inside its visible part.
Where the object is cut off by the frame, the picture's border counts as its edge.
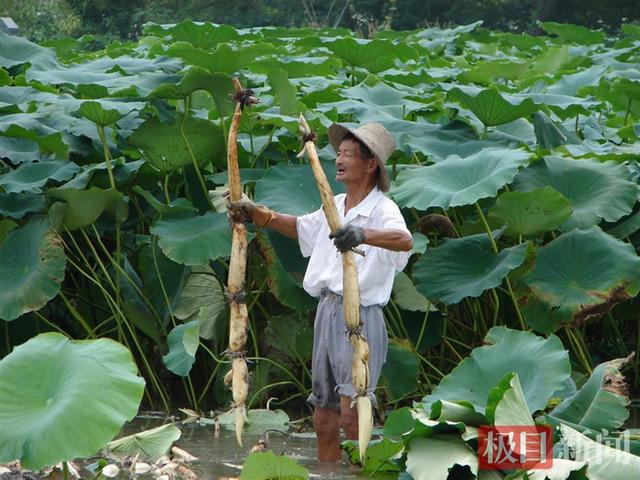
(205, 191)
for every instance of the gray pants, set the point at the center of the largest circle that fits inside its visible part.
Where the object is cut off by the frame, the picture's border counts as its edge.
(332, 352)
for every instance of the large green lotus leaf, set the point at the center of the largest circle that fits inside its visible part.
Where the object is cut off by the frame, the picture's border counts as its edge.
(149, 444)
(431, 458)
(464, 267)
(17, 205)
(164, 147)
(596, 190)
(6, 225)
(542, 366)
(203, 35)
(17, 50)
(85, 206)
(183, 341)
(406, 296)
(605, 463)
(31, 177)
(194, 240)
(531, 213)
(268, 466)
(626, 228)
(225, 58)
(548, 134)
(285, 93)
(104, 112)
(381, 94)
(49, 409)
(572, 33)
(569, 84)
(292, 189)
(32, 266)
(601, 403)
(378, 457)
(580, 274)
(491, 108)
(19, 150)
(203, 299)
(456, 412)
(197, 78)
(400, 372)
(178, 206)
(458, 181)
(358, 52)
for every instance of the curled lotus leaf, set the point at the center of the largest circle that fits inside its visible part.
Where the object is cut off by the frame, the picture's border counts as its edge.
(596, 190)
(491, 108)
(580, 274)
(458, 181)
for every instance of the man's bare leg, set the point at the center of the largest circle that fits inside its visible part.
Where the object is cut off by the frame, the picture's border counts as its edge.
(326, 423)
(348, 419)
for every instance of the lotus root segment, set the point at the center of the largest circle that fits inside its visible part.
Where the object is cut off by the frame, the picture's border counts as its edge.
(365, 425)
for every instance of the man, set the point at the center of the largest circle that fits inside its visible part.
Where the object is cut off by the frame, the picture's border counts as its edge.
(371, 222)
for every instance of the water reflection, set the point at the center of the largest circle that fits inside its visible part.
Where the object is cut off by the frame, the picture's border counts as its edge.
(222, 457)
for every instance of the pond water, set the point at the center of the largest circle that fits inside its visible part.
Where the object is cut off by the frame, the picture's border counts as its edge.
(222, 457)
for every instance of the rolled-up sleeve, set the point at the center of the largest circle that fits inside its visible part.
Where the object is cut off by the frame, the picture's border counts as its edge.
(391, 218)
(308, 227)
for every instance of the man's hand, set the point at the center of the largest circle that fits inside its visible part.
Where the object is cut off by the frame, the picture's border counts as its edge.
(347, 237)
(245, 208)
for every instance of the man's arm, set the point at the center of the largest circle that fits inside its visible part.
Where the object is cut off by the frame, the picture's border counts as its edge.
(389, 238)
(284, 224)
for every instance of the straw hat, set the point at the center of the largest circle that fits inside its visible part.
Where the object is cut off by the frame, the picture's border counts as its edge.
(376, 138)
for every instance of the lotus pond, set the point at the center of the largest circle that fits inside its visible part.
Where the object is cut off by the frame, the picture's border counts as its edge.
(516, 171)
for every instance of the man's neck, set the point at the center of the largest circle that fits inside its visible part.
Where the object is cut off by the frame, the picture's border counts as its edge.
(356, 193)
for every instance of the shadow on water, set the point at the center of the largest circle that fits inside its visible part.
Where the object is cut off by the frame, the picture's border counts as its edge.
(222, 457)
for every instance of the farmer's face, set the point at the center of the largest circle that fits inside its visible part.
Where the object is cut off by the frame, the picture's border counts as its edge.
(350, 166)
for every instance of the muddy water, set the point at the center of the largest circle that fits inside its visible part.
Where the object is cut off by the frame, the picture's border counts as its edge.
(222, 457)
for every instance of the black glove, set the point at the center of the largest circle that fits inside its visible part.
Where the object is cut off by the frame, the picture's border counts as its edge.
(347, 237)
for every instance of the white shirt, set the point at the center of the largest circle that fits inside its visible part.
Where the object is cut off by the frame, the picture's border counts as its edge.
(376, 270)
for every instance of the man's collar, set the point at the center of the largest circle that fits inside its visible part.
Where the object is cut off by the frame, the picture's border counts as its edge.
(366, 206)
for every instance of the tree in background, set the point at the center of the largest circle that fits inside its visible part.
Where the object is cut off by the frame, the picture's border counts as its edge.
(124, 19)
(42, 19)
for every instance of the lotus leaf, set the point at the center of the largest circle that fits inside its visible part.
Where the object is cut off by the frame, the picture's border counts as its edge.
(378, 457)
(32, 267)
(458, 181)
(531, 213)
(105, 113)
(542, 366)
(604, 462)
(202, 35)
(431, 458)
(16, 51)
(599, 404)
(179, 206)
(149, 444)
(626, 228)
(285, 93)
(292, 189)
(457, 412)
(358, 52)
(548, 134)
(596, 190)
(31, 177)
(17, 205)
(400, 372)
(164, 147)
(183, 342)
(85, 206)
(203, 299)
(49, 408)
(573, 33)
(491, 108)
(561, 469)
(406, 296)
(464, 267)
(578, 275)
(19, 150)
(507, 406)
(194, 240)
(267, 466)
